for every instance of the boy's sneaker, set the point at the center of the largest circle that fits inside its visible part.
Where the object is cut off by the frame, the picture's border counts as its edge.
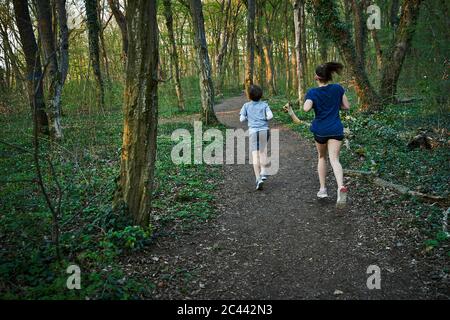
(322, 194)
(342, 197)
(264, 177)
(259, 184)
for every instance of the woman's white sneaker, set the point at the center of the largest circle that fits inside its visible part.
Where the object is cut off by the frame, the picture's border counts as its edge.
(342, 197)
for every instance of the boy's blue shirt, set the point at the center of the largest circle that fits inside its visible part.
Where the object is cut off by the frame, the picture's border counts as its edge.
(327, 102)
(258, 115)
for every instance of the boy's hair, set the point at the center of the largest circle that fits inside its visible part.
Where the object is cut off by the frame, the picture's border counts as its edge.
(255, 93)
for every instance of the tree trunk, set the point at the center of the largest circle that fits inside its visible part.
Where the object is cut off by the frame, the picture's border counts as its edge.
(378, 50)
(122, 23)
(138, 158)
(250, 53)
(326, 12)
(64, 40)
(268, 56)
(94, 49)
(299, 25)
(47, 38)
(33, 63)
(204, 64)
(393, 61)
(393, 14)
(358, 8)
(286, 51)
(225, 38)
(103, 51)
(258, 49)
(173, 53)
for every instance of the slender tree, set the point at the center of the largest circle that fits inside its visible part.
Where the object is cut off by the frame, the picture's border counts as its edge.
(358, 8)
(138, 158)
(224, 41)
(299, 26)
(173, 53)
(47, 35)
(63, 40)
(250, 53)
(93, 25)
(122, 23)
(204, 64)
(33, 63)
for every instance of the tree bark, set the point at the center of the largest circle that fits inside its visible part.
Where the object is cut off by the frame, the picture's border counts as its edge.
(204, 64)
(47, 35)
(393, 61)
(378, 50)
(259, 49)
(393, 14)
(173, 53)
(138, 157)
(268, 56)
(250, 53)
(326, 12)
(64, 40)
(33, 64)
(94, 47)
(358, 8)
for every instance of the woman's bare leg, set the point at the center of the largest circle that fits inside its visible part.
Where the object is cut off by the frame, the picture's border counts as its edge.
(322, 165)
(334, 148)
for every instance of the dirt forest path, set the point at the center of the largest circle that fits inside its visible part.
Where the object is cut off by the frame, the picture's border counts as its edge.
(282, 243)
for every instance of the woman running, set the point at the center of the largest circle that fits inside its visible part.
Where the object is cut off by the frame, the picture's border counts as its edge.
(327, 100)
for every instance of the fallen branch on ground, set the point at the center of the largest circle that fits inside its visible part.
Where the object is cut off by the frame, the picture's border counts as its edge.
(397, 187)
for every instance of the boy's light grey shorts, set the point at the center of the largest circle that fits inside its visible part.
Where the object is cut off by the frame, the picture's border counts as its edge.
(258, 140)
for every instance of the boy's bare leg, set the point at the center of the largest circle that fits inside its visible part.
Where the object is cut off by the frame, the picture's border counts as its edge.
(334, 148)
(256, 164)
(322, 165)
(263, 161)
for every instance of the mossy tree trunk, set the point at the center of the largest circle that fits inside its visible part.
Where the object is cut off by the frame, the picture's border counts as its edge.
(393, 62)
(138, 157)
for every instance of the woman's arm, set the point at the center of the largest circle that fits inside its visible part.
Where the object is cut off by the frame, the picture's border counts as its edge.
(288, 108)
(345, 103)
(308, 105)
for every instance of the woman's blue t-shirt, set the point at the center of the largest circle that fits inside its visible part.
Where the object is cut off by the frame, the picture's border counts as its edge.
(327, 102)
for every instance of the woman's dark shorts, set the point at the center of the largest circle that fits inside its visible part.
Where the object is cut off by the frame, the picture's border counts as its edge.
(324, 140)
(259, 140)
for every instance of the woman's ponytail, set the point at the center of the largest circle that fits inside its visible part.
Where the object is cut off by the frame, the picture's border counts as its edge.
(325, 71)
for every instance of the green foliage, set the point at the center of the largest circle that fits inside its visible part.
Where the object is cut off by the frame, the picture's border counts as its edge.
(93, 235)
